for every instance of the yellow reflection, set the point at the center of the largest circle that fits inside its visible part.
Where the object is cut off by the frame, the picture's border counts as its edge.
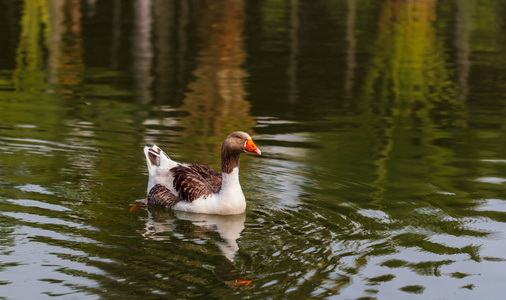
(29, 73)
(54, 26)
(410, 79)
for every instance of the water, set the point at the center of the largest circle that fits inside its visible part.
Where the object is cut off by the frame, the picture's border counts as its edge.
(381, 126)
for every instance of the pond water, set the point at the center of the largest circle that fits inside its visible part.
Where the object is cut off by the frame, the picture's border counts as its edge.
(382, 127)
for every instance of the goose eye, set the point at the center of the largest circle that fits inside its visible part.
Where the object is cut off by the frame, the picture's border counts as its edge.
(239, 137)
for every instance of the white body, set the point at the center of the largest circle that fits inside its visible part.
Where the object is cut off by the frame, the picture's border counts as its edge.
(229, 201)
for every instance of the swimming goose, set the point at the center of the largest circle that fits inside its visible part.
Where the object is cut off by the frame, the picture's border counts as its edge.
(197, 188)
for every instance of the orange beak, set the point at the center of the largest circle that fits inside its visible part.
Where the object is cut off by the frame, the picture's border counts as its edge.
(251, 147)
(244, 282)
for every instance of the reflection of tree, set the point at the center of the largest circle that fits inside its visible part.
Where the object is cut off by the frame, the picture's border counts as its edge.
(405, 100)
(54, 26)
(55, 37)
(216, 103)
(462, 24)
(350, 51)
(29, 74)
(165, 21)
(71, 67)
(294, 51)
(408, 96)
(412, 89)
(142, 50)
(49, 56)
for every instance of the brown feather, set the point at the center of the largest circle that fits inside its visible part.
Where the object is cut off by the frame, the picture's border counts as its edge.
(160, 195)
(154, 157)
(194, 181)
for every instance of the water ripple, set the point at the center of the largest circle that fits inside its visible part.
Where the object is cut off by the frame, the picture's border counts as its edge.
(39, 204)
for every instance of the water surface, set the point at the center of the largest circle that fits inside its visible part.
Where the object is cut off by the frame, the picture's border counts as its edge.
(381, 126)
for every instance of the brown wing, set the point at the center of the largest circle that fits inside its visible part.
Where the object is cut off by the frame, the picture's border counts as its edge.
(194, 181)
(212, 177)
(160, 195)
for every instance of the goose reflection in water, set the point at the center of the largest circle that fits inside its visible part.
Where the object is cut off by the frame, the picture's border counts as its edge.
(229, 227)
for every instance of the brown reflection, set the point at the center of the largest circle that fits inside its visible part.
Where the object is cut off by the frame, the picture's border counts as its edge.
(216, 102)
(182, 39)
(294, 51)
(350, 50)
(55, 36)
(142, 50)
(116, 33)
(164, 13)
(71, 66)
(462, 26)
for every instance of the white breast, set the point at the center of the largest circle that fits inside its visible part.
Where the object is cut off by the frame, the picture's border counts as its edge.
(230, 200)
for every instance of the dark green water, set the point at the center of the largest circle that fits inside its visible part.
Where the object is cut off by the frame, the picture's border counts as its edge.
(382, 126)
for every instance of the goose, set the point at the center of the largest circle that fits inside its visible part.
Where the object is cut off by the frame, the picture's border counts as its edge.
(196, 188)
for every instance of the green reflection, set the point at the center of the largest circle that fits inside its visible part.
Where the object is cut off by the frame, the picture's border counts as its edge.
(383, 124)
(408, 92)
(49, 49)
(30, 73)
